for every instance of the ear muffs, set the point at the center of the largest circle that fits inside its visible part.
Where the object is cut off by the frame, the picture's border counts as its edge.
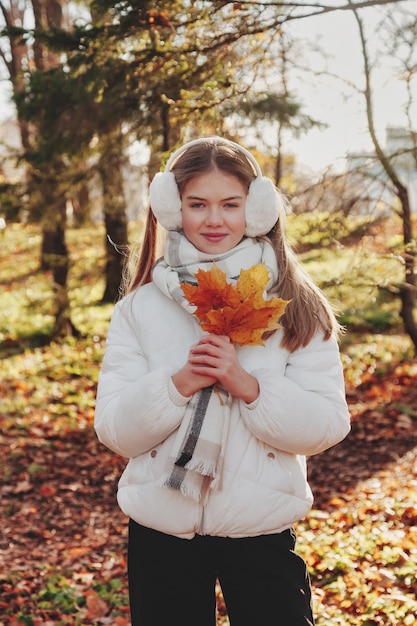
(263, 205)
(165, 200)
(263, 202)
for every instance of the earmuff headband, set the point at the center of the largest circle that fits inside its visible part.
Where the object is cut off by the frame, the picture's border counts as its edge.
(263, 202)
(217, 140)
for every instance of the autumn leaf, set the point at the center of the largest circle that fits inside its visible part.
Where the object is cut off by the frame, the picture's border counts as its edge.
(238, 311)
(97, 607)
(47, 490)
(253, 281)
(212, 292)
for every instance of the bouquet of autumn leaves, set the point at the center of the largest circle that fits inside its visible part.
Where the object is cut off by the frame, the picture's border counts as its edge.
(238, 311)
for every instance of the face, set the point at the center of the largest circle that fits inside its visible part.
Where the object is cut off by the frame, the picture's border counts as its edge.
(213, 211)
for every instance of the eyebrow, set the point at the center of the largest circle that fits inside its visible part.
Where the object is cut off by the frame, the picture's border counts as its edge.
(237, 197)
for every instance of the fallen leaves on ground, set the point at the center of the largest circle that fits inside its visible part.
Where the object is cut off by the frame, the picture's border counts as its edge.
(360, 539)
(63, 540)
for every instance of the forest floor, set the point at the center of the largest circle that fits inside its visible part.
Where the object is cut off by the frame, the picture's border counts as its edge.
(63, 540)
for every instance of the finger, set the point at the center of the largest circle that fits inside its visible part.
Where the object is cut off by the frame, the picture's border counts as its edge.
(214, 339)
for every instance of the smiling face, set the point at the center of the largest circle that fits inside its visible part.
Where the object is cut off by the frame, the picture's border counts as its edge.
(213, 211)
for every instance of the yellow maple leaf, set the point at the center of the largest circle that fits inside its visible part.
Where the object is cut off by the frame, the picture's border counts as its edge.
(253, 280)
(239, 311)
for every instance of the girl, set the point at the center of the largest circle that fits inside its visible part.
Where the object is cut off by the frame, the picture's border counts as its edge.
(216, 480)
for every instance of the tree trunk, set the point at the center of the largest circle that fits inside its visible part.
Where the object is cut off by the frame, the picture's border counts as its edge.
(408, 289)
(114, 208)
(278, 160)
(80, 200)
(166, 127)
(54, 258)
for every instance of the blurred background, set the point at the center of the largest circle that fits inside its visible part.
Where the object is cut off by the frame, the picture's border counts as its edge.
(94, 95)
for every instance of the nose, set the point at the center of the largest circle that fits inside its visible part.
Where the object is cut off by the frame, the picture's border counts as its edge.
(214, 216)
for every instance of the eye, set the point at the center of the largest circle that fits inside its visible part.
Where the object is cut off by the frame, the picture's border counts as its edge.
(196, 205)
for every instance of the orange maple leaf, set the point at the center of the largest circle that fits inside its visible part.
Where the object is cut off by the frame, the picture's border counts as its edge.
(239, 311)
(212, 291)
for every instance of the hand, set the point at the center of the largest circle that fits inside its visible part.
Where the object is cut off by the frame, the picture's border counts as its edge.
(188, 380)
(214, 356)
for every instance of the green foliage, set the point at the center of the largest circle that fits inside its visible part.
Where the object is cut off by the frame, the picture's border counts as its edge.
(131, 70)
(27, 299)
(11, 200)
(361, 279)
(63, 597)
(113, 592)
(57, 593)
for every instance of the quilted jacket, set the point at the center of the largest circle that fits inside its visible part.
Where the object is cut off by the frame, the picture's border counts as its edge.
(301, 411)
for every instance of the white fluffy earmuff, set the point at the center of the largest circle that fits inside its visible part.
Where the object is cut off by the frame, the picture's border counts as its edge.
(263, 202)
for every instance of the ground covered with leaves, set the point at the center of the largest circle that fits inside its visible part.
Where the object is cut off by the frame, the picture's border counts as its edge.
(62, 550)
(63, 538)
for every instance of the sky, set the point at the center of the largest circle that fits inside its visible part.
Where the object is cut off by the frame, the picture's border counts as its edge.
(323, 98)
(5, 110)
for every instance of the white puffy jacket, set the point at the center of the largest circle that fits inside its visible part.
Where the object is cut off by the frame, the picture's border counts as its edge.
(301, 411)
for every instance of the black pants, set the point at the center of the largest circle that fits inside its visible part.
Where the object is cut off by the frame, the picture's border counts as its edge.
(172, 581)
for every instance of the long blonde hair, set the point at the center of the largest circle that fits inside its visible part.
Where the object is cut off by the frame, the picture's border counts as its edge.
(309, 310)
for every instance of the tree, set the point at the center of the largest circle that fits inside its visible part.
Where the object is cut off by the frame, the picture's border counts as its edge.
(271, 104)
(46, 168)
(405, 33)
(132, 69)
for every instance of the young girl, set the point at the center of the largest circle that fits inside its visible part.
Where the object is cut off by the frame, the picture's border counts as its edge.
(217, 434)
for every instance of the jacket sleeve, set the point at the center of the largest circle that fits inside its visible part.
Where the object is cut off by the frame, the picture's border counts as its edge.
(136, 409)
(303, 411)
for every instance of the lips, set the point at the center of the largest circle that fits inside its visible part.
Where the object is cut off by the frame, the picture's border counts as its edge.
(214, 237)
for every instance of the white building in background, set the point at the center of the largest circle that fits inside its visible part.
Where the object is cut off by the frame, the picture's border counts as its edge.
(401, 148)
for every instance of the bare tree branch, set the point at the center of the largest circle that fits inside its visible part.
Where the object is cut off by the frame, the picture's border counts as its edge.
(315, 8)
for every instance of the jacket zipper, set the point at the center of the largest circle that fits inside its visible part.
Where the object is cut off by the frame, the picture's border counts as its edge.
(200, 530)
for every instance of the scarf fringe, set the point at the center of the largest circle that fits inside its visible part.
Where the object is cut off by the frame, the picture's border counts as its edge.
(172, 482)
(191, 489)
(192, 492)
(205, 467)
